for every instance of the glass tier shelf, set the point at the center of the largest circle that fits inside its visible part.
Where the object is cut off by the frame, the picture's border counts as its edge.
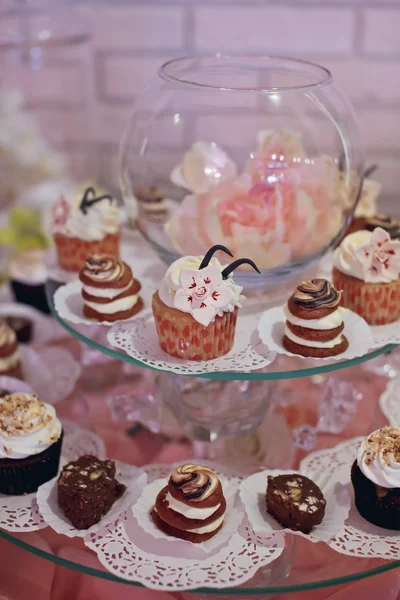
(283, 367)
(302, 566)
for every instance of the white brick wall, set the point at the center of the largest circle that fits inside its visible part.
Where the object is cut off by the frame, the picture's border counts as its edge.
(358, 40)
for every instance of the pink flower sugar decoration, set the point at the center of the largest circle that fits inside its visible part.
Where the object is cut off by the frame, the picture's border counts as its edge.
(202, 293)
(380, 259)
(60, 213)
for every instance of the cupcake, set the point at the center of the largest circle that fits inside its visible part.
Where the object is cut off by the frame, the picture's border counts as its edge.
(196, 307)
(314, 321)
(28, 277)
(110, 292)
(22, 327)
(295, 502)
(366, 267)
(87, 489)
(192, 506)
(93, 227)
(30, 443)
(390, 225)
(375, 476)
(10, 363)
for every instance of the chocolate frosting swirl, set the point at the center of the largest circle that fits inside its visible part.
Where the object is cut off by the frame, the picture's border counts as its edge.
(392, 226)
(100, 268)
(195, 482)
(7, 335)
(316, 294)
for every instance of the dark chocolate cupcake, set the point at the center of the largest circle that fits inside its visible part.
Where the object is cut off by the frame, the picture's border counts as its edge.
(22, 327)
(28, 278)
(30, 443)
(375, 476)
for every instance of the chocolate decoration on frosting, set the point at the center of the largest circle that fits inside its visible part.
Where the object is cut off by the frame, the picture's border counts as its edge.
(196, 482)
(236, 263)
(391, 226)
(209, 254)
(87, 202)
(316, 294)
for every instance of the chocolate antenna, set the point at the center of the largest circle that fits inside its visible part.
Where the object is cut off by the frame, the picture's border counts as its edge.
(368, 172)
(236, 263)
(86, 203)
(209, 254)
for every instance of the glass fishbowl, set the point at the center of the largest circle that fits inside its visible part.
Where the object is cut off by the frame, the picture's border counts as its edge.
(260, 154)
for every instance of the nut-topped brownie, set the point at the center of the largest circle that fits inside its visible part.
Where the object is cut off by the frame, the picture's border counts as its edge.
(87, 489)
(295, 501)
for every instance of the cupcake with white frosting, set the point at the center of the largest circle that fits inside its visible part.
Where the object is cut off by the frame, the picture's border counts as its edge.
(30, 443)
(110, 292)
(375, 476)
(10, 362)
(192, 506)
(196, 307)
(366, 268)
(91, 227)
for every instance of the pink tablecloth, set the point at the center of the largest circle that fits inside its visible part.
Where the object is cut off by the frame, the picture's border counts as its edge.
(22, 574)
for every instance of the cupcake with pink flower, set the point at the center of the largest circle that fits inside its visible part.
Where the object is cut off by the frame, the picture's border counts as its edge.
(367, 269)
(196, 307)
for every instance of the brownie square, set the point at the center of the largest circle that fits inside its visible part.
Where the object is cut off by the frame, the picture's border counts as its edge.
(87, 489)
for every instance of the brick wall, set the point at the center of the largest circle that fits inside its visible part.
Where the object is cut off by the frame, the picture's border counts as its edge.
(358, 40)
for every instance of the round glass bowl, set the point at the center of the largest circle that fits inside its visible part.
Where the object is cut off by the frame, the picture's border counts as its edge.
(260, 154)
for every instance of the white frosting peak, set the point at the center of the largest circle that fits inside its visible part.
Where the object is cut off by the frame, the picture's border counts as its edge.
(379, 457)
(27, 426)
(201, 292)
(370, 256)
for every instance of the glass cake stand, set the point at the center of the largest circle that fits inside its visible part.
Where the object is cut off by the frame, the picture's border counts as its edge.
(289, 573)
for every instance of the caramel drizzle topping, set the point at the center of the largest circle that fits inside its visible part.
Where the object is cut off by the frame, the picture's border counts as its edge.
(315, 294)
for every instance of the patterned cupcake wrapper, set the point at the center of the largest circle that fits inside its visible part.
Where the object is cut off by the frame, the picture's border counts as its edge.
(25, 477)
(185, 338)
(72, 252)
(378, 303)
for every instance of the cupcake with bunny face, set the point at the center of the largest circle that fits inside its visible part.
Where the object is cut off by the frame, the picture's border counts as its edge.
(196, 307)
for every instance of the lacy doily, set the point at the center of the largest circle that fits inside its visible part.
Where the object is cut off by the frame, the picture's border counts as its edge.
(271, 329)
(21, 513)
(127, 551)
(389, 402)
(386, 334)
(357, 537)
(139, 340)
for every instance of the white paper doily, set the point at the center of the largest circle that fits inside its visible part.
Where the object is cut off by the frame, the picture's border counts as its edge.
(357, 331)
(134, 479)
(51, 371)
(45, 328)
(68, 302)
(145, 503)
(357, 537)
(130, 553)
(21, 513)
(389, 402)
(140, 341)
(386, 334)
(252, 494)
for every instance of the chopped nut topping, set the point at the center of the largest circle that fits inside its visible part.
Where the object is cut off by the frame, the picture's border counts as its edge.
(95, 475)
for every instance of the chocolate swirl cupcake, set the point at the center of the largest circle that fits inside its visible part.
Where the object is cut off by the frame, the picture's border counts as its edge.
(316, 294)
(9, 355)
(192, 506)
(314, 321)
(110, 291)
(392, 226)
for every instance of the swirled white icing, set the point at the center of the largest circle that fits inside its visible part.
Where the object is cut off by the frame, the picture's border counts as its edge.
(335, 319)
(210, 296)
(378, 457)
(27, 426)
(114, 306)
(99, 220)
